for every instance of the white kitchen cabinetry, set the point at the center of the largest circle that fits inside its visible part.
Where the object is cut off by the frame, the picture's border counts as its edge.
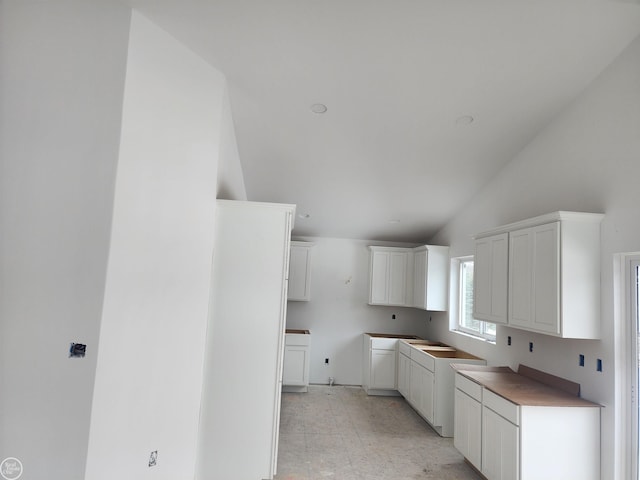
(430, 273)
(404, 373)
(245, 341)
(421, 390)
(500, 441)
(379, 365)
(490, 275)
(539, 433)
(390, 271)
(553, 275)
(430, 381)
(404, 369)
(467, 437)
(300, 272)
(409, 277)
(295, 371)
(534, 280)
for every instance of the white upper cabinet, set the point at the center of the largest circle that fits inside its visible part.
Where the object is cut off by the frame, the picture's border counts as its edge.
(430, 274)
(409, 277)
(389, 276)
(300, 272)
(553, 275)
(490, 272)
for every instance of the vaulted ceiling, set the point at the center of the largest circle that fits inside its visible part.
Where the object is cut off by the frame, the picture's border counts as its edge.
(426, 100)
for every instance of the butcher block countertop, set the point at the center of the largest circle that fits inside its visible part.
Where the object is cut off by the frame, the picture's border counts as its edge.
(527, 387)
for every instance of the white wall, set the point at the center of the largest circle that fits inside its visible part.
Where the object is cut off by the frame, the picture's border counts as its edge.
(338, 313)
(587, 159)
(62, 70)
(150, 361)
(230, 178)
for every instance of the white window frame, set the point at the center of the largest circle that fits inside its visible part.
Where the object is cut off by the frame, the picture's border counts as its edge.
(455, 301)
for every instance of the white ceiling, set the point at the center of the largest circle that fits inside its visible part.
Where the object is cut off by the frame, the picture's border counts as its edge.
(395, 75)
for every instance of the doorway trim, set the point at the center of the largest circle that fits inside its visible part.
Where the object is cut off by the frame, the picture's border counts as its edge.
(626, 371)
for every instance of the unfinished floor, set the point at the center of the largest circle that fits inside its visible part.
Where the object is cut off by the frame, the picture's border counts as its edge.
(341, 433)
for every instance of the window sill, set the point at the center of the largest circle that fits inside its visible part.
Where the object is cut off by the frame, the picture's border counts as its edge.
(474, 337)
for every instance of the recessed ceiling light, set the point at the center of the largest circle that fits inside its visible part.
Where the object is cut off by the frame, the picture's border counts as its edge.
(464, 120)
(318, 108)
(304, 215)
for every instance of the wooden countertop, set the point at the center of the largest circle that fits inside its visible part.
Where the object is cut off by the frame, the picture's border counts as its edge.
(520, 389)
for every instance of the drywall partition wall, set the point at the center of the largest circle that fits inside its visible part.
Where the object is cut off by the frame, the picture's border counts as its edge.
(149, 370)
(587, 159)
(338, 313)
(62, 70)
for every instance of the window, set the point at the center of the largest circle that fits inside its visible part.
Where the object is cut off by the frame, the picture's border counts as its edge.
(464, 321)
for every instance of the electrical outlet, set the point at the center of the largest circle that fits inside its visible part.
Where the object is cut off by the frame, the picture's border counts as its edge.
(531, 346)
(153, 458)
(509, 340)
(599, 365)
(77, 350)
(581, 360)
(393, 317)
(326, 361)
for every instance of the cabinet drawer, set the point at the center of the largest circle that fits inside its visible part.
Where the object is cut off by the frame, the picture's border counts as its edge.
(382, 343)
(297, 339)
(405, 349)
(504, 408)
(421, 358)
(471, 388)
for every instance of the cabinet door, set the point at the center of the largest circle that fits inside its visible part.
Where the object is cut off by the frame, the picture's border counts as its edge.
(299, 272)
(491, 278)
(427, 382)
(421, 390)
(468, 427)
(415, 392)
(383, 369)
(521, 277)
(404, 374)
(534, 278)
(546, 278)
(500, 447)
(295, 368)
(398, 264)
(420, 279)
(378, 288)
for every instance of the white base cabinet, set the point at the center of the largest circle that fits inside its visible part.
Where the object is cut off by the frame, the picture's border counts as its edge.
(467, 436)
(509, 441)
(379, 374)
(427, 381)
(295, 370)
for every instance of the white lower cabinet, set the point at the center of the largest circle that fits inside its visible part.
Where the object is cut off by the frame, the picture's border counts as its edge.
(509, 441)
(467, 436)
(500, 446)
(426, 379)
(421, 390)
(295, 370)
(383, 369)
(404, 374)
(379, 373)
